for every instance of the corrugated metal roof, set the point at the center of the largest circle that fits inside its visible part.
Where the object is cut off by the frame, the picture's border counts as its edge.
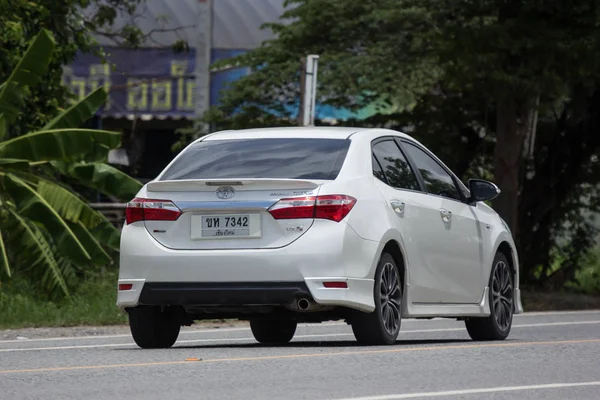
(236, 23)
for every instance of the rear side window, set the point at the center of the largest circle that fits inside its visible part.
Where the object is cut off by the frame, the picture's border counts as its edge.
(283, 158)
(394, 164)
(377, 171)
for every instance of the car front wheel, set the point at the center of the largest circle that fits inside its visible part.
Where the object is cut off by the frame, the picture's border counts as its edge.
(382, 326)
(501, 288)
(153, 328)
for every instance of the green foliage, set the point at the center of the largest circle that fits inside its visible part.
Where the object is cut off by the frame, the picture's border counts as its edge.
(48, 145)
(74, 23)
(78, 113)
(463, 78)
(92, 302)
(50, 234)
(395, 51)
(587, 278)
(103, 178)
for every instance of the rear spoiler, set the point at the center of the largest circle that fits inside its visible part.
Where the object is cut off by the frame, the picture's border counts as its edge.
(202, 185)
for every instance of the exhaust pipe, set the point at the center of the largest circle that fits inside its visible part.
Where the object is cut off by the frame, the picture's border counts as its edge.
(303, 304)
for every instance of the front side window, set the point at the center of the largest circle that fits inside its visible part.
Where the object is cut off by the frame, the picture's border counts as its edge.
(283, 158)
(437, 180)
(395, 167)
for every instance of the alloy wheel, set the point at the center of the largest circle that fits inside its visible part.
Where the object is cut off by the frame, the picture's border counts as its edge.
(502, 295)
(390, 298)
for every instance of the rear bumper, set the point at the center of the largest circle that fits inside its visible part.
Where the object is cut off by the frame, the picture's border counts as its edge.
(327, 252)
(222, 294)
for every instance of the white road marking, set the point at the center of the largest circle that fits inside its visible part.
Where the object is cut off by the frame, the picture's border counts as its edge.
(550, 313)
(476, 391)
(128, 335)
(59, 338)
(245, 339)
(217, 330)
(93, 346)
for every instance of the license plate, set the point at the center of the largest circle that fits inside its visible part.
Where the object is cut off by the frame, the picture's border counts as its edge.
(226, 226)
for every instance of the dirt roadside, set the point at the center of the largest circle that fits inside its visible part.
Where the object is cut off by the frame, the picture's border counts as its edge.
(80, 331)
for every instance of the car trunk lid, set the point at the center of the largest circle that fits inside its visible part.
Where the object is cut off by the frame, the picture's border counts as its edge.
(228, 214)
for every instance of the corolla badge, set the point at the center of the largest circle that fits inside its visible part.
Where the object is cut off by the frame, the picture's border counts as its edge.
(225, 192)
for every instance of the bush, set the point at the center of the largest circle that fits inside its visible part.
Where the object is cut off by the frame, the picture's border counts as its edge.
(587, 278)
(93, 302)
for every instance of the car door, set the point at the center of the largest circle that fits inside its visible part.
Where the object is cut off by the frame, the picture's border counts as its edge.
(458, 266)
(416, 216)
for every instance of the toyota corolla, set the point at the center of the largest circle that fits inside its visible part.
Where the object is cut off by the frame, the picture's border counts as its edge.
(282, 226)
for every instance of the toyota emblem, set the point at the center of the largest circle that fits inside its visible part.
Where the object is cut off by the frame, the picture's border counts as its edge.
(225, 192)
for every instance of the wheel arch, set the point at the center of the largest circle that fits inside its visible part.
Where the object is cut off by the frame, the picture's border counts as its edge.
(505, 248)
(392, 247)
(391, 242)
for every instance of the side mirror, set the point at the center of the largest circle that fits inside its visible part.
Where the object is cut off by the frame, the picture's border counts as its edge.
(482, 190)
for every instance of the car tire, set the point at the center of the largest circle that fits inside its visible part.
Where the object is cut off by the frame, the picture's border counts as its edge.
(382, 326)
(273, 332)
(153, 328)
(501, 299)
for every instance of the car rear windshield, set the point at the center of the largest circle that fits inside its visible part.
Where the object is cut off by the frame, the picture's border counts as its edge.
(287, 158)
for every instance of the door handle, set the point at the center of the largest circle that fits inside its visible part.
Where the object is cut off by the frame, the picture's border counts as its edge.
(446, 215)
(398, 206)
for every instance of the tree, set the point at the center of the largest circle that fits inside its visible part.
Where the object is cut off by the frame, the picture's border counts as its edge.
(46, 229)
(74, 23)
(468, 77)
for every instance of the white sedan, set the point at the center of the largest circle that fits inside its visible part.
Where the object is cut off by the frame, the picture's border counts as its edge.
(286, 225)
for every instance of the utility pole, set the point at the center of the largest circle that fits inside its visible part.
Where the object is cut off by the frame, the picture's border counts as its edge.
(203, 47)
(308, 90)
(302, 91)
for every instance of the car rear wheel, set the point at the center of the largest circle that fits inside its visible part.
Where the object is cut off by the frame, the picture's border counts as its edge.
(273, 332)
(153, 328)
(501, 288)
(382, 326)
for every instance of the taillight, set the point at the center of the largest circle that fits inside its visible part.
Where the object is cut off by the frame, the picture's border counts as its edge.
(299, 207)
(333, 207)
(151, 210)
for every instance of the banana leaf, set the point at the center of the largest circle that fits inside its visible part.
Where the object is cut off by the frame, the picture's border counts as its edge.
(105, 179)
(93, 247)
(3, 125)
(34, 245)
(79, 112)
(57, 144)
(28, 72)
(15, 164)
(107, 234)
(30, 205)
(68, 205)
(4, 257)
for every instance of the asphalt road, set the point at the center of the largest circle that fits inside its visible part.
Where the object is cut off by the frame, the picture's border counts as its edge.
(547, 356)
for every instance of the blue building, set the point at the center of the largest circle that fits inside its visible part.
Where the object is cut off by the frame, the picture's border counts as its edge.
(153, 90)
(154, 82)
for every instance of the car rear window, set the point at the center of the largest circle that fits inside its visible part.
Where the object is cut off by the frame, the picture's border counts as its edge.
(287, 158)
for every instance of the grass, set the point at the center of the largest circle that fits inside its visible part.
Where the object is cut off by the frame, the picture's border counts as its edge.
(558, 301)
(93, 304)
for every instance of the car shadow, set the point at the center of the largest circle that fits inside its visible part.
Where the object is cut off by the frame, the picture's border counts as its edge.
(323, 343)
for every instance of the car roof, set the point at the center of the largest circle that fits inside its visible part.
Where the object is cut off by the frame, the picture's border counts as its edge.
(317, 132)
